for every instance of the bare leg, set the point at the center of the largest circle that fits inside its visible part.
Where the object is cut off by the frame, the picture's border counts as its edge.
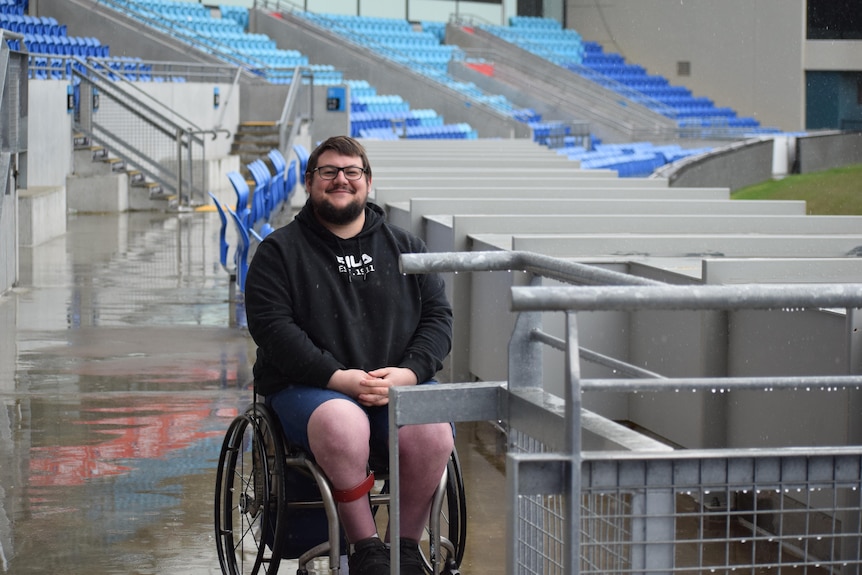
(338, 434)
(424, 452)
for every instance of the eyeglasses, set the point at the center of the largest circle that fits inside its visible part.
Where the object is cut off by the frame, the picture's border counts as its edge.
(331, 172)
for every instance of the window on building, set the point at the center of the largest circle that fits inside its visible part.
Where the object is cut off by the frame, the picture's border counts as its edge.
(834, 20)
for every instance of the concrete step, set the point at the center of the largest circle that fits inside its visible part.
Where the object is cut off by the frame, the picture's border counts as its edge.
(116, 187)
(150, 196)
(136, 177)
(80, 141)
(253, 140)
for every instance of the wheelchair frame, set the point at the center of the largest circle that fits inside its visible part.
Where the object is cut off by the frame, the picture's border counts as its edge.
(251, 503)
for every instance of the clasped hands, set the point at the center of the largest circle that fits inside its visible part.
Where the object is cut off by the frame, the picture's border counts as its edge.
(371, 388)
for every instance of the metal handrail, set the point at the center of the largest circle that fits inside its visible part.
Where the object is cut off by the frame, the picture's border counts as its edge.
(291, 120)
(690, 297)
(537, 264)
(161, 120)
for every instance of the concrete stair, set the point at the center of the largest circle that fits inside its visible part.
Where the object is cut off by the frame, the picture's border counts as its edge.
(102, 183)
(254, 140)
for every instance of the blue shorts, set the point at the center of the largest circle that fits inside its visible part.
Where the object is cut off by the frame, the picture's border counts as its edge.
(294, 406)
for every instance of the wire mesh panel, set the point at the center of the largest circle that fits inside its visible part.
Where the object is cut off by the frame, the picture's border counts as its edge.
(606, 533)
(767, 513)
(121, 120)
(541, 545)
(540, 520)
(14, 111)
(757, 511)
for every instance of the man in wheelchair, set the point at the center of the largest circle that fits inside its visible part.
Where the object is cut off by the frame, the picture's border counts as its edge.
(337, 324)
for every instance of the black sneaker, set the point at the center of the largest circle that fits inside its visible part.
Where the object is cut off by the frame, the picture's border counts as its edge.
(411, 558)
(370, 557)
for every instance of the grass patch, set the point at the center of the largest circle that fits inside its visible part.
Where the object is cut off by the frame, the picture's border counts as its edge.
(836, 192)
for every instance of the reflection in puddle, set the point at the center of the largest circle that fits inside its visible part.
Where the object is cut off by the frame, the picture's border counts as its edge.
(153, 428)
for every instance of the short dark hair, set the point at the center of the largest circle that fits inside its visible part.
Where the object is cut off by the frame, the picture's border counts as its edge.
(343, 145)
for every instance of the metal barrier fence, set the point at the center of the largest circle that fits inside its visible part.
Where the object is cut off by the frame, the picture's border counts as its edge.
(646, 508)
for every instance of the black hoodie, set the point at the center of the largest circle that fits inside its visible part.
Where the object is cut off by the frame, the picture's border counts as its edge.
(317, 303)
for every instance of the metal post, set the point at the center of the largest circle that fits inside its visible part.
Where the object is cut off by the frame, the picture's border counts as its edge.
(573, 446)
(394, 491)
(854, 340)
(513, 552)
(525, 351)
(190, 168)
(179, 140)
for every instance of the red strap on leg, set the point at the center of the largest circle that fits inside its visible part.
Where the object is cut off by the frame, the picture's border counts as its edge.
(355, 492)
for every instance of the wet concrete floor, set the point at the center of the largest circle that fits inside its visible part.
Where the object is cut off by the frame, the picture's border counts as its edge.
(121, 365)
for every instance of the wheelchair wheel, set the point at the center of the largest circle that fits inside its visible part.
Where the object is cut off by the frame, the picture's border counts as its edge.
(249, 495)
(453, 524)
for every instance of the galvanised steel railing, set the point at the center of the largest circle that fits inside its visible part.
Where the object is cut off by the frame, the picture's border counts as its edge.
(647, 508)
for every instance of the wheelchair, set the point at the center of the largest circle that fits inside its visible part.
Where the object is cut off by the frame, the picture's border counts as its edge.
(272, 502)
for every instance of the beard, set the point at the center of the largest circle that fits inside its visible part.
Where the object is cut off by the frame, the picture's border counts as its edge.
(338, 216)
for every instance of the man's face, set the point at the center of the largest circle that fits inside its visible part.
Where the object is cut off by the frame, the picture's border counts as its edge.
(338, 201)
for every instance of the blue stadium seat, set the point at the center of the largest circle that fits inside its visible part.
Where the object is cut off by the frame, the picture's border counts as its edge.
(260, 198)
(302, 156)
(242, 248)
(280, 193)
(240, 187)
(292, 174)
(223, 245)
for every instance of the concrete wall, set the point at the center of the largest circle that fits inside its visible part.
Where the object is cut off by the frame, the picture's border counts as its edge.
(8, 345)
(262, 102)
(822, 152)
(185, 104)
(41, 206)
(735, 166)
(41, 214)
(828, 55)
(751, 162)
(8, 239)
(694, 344)
(193, 101)
(747, 55)
(49, 154)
